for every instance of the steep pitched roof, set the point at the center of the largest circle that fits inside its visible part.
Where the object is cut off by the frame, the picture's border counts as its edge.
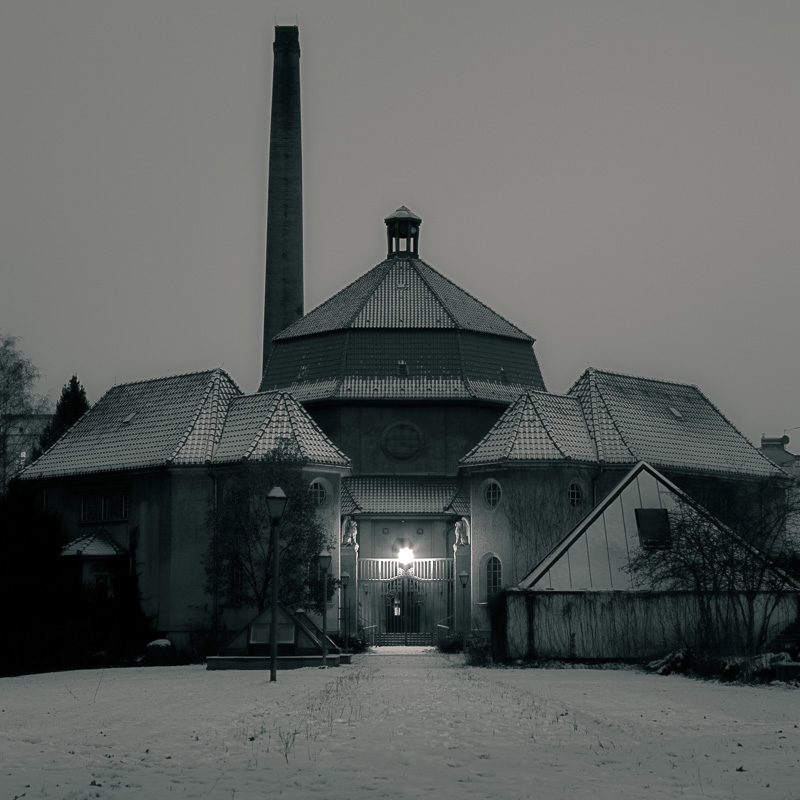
(402, 293)
(580, 530)
(401, 495)
(671, 425)
(644, 486)
(258, 423)
(156, 422)
(538, 426)
(97, 544)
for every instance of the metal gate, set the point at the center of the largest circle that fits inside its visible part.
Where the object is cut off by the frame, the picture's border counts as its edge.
(399, 606)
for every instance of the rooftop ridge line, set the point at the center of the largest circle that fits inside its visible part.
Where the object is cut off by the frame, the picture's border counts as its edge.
(547, 429)
(527, 336)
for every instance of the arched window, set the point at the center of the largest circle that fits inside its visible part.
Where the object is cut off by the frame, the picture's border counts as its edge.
(494, 576)
(491, 577)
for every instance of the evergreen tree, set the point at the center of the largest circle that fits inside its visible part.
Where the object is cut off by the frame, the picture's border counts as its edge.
(71, 406)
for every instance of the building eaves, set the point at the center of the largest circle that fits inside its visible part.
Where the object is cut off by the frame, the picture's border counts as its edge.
(400, 495)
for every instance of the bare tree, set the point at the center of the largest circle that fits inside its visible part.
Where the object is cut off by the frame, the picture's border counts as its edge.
(238, 562)
(739, 572)
(539, 515)
(19, 406)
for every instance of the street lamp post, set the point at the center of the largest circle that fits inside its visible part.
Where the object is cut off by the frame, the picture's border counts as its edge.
(463, 576)
(276, 503)
(344, 580)
(324, 565)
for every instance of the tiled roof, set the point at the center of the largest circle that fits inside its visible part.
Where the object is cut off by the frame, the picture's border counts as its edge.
(97, 544)
(670, 425)
(402, 495)
(538, 427)
(402, 293)
(422, 363)
(174, 420)
(258, 423)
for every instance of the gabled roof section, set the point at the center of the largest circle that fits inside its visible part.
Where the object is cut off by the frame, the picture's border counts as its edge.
(402, 293)
(401, 495)
(580, 530)
(156, 422)
(606, 534)
(670, 425)
(97, 544)
(257, 424)
(538, 426)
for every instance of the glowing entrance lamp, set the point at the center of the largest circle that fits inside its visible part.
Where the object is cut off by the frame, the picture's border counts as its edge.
(405, 557)
(276, 503)
(324, 565)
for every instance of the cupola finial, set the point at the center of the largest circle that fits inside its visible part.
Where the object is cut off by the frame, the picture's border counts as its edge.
(402, 228)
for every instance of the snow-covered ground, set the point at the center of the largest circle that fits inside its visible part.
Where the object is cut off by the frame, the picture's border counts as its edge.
(395, 723)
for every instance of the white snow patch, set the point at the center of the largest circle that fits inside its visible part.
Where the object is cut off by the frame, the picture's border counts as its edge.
(390, 725)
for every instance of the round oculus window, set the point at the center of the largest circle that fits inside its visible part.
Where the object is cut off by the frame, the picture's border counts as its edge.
(319, 494)
(402, 440)
(492, 494)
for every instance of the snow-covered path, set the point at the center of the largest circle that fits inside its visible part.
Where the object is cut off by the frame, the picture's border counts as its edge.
(394, 725)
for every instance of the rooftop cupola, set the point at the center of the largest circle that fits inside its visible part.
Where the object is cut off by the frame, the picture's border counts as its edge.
(402, 233)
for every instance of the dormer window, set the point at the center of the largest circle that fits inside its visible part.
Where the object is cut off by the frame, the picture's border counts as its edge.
(301, 373)
(402, 369)
(503, 375)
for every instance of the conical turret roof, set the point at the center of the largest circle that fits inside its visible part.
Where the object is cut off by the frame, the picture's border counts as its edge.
(402, 293)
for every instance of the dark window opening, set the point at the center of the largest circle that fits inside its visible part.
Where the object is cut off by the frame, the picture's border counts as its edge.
(494, 576)
(654, 530)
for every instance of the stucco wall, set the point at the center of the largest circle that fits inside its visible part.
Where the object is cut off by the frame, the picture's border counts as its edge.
(533, 514)
(447, 433)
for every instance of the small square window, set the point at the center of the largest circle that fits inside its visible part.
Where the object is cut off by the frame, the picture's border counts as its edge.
(654, 531)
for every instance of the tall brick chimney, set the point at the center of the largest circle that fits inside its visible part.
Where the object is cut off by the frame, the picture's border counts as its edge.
(283, 294)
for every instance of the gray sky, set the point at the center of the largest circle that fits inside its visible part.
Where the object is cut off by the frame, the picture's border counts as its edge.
(620, 179)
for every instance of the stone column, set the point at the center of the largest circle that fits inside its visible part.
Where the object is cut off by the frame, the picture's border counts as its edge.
(462, 600)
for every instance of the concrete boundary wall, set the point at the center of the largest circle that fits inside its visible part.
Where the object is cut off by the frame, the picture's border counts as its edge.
(528, 624)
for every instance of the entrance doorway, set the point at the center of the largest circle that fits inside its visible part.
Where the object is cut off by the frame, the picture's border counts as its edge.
(405, 606)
